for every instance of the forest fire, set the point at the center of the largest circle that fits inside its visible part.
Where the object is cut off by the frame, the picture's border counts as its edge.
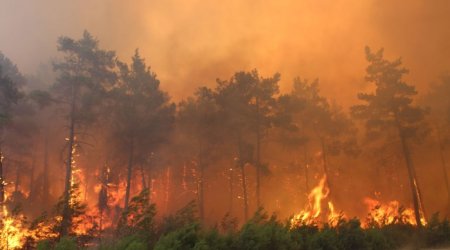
(217, 133)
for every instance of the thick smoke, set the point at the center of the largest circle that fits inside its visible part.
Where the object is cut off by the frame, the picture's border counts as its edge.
(189, 43)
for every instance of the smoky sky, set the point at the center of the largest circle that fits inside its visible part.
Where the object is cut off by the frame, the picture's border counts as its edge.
(189, 43)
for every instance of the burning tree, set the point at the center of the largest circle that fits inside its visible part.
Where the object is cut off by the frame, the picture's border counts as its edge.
(84, 73)
(390, 111)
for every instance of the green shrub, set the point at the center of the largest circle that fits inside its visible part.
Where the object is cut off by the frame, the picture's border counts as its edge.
(351, 236)
(262, 232)
(376, 240)
(399, 235)
(183, 231)
(326, 239)
(66, 243)
(183, 238)
(136, 245)
(138, 217)
(437, 233)
(212, 239)
(182, 218)
(44, 245)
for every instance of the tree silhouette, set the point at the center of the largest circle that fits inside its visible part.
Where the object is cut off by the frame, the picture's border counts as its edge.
(247, 103)
(439, 102)
(9, 96)
(309, 117)
(83, 76)
(390, 111)
(199, 122)
(141, 117)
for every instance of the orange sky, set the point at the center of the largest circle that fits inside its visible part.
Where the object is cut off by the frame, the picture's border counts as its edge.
(193, 42)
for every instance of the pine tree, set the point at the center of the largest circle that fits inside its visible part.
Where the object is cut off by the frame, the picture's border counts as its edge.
(142, 115)
(390, 111)
(83, 76)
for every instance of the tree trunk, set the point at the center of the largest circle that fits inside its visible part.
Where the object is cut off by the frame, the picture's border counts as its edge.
(31, 186)
(2, 180)
(244, 178)
(66, 215)
(144, 182)
(129, 174)
(17, 182)
(103, 196)
(412, 180)
(167, 193)
(150, 186)
(305, 152)
(201, 194)
(444, 168)
(86, 184)
(45, 184)
(258, 155)
(230, 186)
(325, 164)
(244, 187)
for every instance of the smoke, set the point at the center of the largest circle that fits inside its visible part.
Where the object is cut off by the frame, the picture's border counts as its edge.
(190, 43)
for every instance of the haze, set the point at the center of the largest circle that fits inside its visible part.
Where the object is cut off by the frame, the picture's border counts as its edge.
(189, 43)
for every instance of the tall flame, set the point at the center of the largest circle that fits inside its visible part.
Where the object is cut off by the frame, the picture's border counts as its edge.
(313, 213)
(12, 233)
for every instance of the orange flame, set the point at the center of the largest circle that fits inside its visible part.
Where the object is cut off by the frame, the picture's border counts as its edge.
(389, 213)
(13, 232)
(313, 213)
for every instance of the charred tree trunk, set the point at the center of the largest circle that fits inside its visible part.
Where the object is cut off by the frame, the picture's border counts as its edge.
(144, 182)
(241, 164)
(66, 215)
(230, 186)
(444, 168)
(167, 193)
(258, 154)
(416, 197)
(325, 164)
(150, 186)
(103, 196)
(201, 192)
(129, 173)
(2, 180)
(31, 187)
(244, 187)
(17, 182)
(45, 184)
(305, 152)
(86, 184)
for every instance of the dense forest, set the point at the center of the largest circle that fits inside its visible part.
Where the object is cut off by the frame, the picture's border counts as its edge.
(94, 154)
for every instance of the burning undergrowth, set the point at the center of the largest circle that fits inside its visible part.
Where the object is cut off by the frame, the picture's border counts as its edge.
(90, 224)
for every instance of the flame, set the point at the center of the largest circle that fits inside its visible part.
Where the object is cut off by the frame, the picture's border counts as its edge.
(313, 212)
(389, 213)
(12, 233)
